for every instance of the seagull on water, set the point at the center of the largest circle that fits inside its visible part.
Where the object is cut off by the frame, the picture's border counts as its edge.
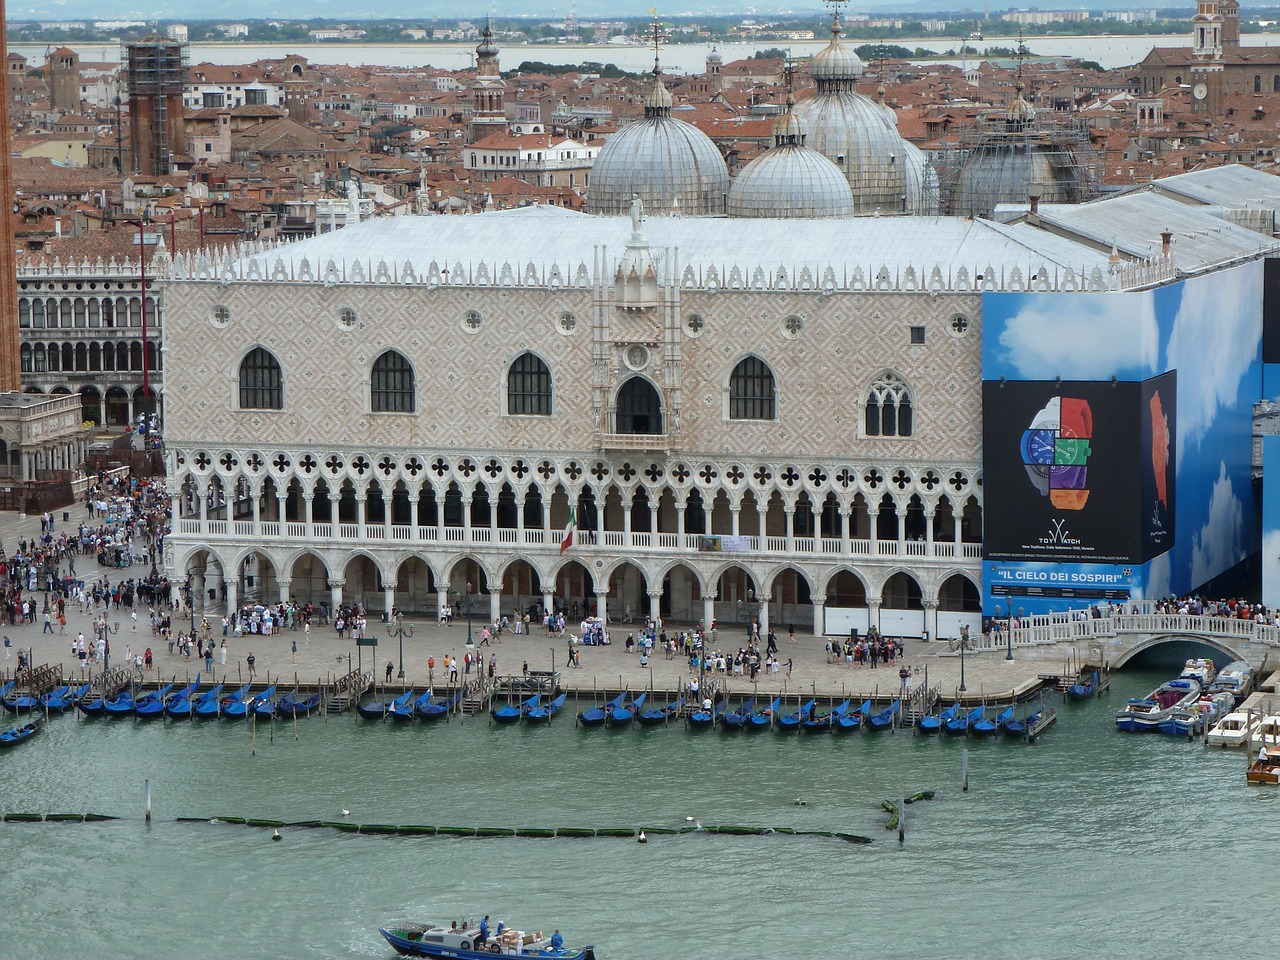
(346, 812)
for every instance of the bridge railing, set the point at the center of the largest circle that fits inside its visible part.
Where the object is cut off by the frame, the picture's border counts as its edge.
(1076, 625)
(1227, 628)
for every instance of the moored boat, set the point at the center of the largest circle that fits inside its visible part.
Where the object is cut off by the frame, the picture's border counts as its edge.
(853, 719)
(1199, 669)
(933, 723)
(244, 706)
(707, 716)
(624, 714)
(595, 716)
(513, 712)
(958, 726)
(1236, 678)
(16, 735)
(544, 713)
(1266, 768)
(1143, 714)
(61, 702)
(153, 705)
(987, 728)
(1198, 717)
(460, 943)
(208, 708)
(121, 706)
(439, 709)
(185, 709)
(1017, 729)
(660, 715)
(264, 706)
(737, 719)
(821, 723)
(1086, 684)
(790, 722)
(885, 719)
(295, 705)
(763, 719)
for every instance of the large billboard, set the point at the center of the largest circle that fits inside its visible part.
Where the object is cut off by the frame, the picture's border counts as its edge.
(1082, 470)
(1158, 498)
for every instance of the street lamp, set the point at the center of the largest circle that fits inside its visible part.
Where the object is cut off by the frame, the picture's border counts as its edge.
(400, 631)
(104, 632)
(962, 646)
(1009, 637)
(470, 642)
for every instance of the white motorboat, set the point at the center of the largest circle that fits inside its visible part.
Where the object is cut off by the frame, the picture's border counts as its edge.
(1268, 732)
(1145, 714)
(1236, 678)
(1199, 669)
(1234, 730)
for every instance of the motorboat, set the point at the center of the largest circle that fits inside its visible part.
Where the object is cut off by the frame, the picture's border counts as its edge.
(1236, 678)
(1266, 768)
(1199, 669)
(468, 943)
(1234, 730)
(1197, 718)
(1143, 714)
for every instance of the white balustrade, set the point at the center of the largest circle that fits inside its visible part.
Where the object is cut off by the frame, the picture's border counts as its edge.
(296, 530)
(242, 528)
(401, 532)
(271, 528)
(349, 531)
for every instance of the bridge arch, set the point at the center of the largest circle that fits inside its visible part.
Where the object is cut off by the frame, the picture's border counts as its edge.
(1126, 651)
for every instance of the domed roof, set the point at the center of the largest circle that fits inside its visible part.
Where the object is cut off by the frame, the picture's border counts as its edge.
(835, 63)
(668, 163)
(790, 181)
(924, 191)
(487, 48)
(855, 134)
(1008, 172)
(714, 56)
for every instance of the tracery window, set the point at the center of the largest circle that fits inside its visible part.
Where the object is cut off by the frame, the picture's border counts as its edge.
(888, 410)
(751, 391)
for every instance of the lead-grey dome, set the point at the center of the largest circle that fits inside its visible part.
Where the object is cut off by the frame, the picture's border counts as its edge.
(672, 165)
(790, 181)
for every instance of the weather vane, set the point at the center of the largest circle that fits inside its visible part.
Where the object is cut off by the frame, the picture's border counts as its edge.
(835, 6)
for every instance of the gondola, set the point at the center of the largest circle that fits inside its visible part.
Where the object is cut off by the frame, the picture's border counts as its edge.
(439, 709)
(623, 715)
(931, 723)
(737, 719)
(822, 723)
(959, 725)
(16, 735)
(153, 705)
(595, 716)
(185, 709)
(91, 705)
(1017, 729)
(790, 722)
(121, 706)
(242, 708)
(207, 708)
(885, 719)
(513, 712)
(265, 706)
(61, 702)
(660, 715)
(293, 705)
(544, 714)
(987, 728)
(1085, 684)
(763, 719)
(853, 719)
(19, 702)
(402, 707)
(705, 718)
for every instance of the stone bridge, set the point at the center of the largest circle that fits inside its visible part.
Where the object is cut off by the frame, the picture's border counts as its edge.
(1123, 635)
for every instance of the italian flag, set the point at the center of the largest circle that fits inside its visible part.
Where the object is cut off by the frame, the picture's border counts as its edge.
(567, 540)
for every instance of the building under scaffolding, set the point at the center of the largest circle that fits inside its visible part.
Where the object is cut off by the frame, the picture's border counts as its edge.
(1011, 155)
(155, 70)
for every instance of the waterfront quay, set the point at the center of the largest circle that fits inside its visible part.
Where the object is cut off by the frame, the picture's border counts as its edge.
(323, 656)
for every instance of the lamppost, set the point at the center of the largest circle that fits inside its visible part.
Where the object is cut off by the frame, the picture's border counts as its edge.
(105, 632)
(191, 601)
(1009, 636)
(962, 646)
(470, 642)
(400, 631)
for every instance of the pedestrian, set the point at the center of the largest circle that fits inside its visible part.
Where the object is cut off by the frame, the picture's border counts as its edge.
(525, 668)
(250, 660)
(7, 645)
(208, 658)
(48, 622)
(306, 632)
(295, 651)
(224, 651)
(147, 658)
(133, 627)
(788, 668)
(390, 665)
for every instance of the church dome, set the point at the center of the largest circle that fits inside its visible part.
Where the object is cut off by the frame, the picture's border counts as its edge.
(487, 48)
(854, 133)
(714, 56)
(996, 173)
(790, 181)
(672, 165)
(835, 62)
(924, 191)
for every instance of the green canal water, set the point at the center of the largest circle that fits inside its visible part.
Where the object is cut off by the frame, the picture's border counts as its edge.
(1088, 844)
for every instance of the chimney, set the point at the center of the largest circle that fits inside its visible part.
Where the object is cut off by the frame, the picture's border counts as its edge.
(1035, 202)
(1166, 240)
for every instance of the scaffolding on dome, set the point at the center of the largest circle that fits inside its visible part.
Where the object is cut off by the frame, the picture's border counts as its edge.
(1007, 157)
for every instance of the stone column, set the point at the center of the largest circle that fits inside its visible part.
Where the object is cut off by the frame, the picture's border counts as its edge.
(547, 600)
(442, 597)
(846, 541)
(735, 520)
(413, 513)
(495, 602)
(308, 503)
(873, 612)
(197, 590)
(655, 606)
(928, 529)
(599, 523)
(680, 509)
(873, 531)
(958, 520)
(466, 519)
(282, 511)
(626, 524)
(257, 512)
(388, 598)
(232, 583)
(284, 585)
(203, 492)
(790, 512)
(708, 610)
(362, 512)
(602, 606)
(819, 616)
(335, 595)
(764, 617)
(764, 523)
(931, 618)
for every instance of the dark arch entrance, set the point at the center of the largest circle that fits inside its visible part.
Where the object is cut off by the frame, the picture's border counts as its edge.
(639, 407)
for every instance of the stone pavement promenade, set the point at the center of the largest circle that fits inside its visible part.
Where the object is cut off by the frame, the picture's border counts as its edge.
(987, 672)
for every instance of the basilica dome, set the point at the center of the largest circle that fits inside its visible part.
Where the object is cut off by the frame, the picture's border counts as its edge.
(790, 181)
(671, 165)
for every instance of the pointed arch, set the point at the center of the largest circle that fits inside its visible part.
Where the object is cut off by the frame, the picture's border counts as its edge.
(638, 407)
(261, 381)
(393, 384)
(751, 390)
(887, 407)
(529, 386)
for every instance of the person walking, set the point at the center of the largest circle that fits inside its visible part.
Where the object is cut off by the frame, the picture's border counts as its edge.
(224, 651)
(390, 667)
(250, 660)
(295, 651)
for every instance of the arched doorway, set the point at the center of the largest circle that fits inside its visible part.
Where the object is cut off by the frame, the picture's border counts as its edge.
(846, 609)
(628, 596)
(902, 607)
(639, 408)
(416, 588)
(681, 595)
(521, 589)
(790, 602)
(959, 605)
(117, 407)
(309, 579)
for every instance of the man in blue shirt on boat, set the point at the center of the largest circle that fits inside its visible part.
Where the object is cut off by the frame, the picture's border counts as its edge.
(484, 931)
(557, 941)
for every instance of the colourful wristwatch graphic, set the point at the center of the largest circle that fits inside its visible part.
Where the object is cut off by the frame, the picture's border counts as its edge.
(1055, 451)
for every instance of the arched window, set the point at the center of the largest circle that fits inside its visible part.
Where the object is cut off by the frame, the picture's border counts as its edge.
(391, 385)
(639, 408)
(751, 391)
(261, 382)
(888, 411)
(1275, 83)
(529, 387)
(1257, 83)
